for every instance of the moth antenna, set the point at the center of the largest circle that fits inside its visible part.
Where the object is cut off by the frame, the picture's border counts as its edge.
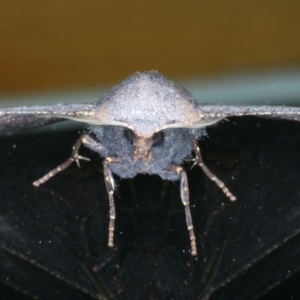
(209, 174)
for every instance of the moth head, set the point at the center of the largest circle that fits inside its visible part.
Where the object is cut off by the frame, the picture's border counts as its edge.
(143, 144)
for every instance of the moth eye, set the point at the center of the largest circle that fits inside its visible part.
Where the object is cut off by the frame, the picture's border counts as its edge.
(129, 134)
(157, 137)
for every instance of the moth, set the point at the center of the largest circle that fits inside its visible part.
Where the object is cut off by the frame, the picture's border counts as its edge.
(145, 124)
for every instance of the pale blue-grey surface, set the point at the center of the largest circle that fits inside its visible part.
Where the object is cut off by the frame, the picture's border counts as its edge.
(265, 87)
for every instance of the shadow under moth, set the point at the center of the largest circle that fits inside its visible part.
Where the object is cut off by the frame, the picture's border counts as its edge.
(146, 124)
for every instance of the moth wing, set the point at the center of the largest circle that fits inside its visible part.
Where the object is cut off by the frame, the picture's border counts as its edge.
(212, 113)
(13, 119)
(13, 123)
(223, 111)
(207, 114)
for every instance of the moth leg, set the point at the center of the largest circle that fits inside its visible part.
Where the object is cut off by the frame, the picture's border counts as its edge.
(185, 198)
(84, 139)
(209, 174)
(110, 187)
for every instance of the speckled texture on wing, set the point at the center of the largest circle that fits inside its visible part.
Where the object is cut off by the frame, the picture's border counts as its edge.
(224, 111)
(77, 112)
(11, 124)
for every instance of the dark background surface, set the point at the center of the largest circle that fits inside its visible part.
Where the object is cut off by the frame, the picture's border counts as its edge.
(54, 238)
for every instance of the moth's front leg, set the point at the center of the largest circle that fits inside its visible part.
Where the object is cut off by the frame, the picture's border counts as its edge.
(185, 198)
(85, 140)
(209, 174)
(94, 145)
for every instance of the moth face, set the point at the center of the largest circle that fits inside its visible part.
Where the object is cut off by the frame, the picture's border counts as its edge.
(142, 145)
(145, 154)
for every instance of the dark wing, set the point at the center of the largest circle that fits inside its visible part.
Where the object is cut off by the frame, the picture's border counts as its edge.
(204, 115)
(13, 119)
(11, 124)
(211, 112)
(78, 112)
